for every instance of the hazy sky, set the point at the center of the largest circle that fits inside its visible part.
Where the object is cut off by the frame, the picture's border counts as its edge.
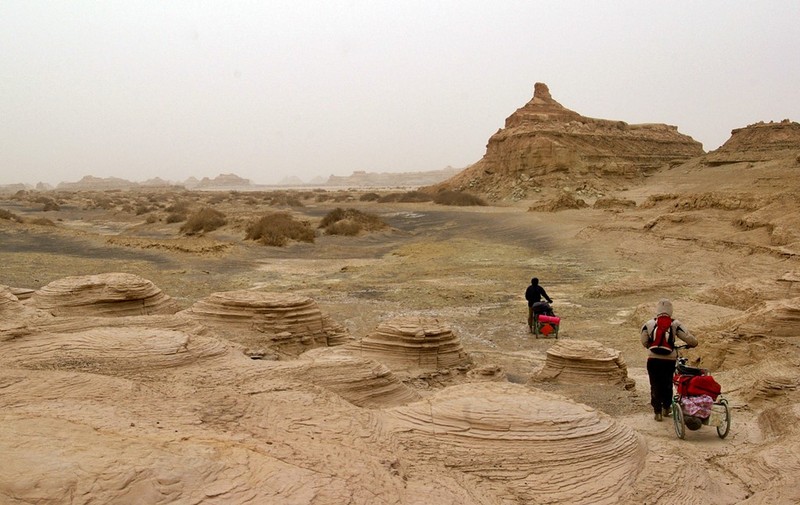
(270, 89)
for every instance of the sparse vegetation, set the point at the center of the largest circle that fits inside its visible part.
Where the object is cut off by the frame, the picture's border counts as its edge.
(278, 228)
(10, 216)
(42, 221)
(176, 217)
(407, 197)
(457, 198)
(350, 222)
(204, 220)
(369, 197)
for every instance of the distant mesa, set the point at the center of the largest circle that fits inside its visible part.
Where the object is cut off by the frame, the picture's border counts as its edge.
(544, 144)
(285, 322)
(105, 295)
(759, 142)
(414, 345)
(362, 178)
(223, 181)
(535, 447)
(90, 182)
(583, 362)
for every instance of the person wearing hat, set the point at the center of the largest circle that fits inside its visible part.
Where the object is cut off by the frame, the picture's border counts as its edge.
(658, 337)
(534, 294)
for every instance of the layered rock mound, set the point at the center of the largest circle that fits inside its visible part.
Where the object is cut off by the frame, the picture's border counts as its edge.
(109, 351)
(532, 446)
(776, 318)
(362, 382)
(759, 142)
(285, 322)
(106, 295)
(545, 144)
(413, 344)
(583, 362)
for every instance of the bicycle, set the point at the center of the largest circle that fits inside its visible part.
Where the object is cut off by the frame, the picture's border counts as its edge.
(689, 409)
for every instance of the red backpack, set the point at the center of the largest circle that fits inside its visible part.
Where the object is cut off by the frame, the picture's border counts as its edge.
(662, 341)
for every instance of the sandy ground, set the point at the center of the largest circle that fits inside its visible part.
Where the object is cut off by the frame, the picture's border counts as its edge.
(469, 267)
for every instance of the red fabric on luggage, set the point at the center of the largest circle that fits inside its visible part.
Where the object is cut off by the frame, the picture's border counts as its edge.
(696, 385)
(549, 319)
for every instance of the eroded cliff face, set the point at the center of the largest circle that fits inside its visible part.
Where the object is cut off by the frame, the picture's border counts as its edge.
(544, 144)
(759, 142)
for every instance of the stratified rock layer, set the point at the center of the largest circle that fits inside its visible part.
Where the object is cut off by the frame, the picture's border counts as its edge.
(362, 382)
(533, 446)
(415, 344)
(287, 322)
(544, 138)
(777, 318)
(106, 295)
(758, 142)
(583, 362)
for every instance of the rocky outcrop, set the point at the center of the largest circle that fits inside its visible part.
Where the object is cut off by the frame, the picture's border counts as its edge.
(362, 382)
(413, 344)
(759, 142)
(545, 144)
(107, 295)
(282, 321)
(390, 180)
(536, 447)
(583, 362)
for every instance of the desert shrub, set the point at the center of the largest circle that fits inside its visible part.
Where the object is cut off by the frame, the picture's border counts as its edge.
(205, 220)
(216, 198)
(51, 205)
(415, 197)
(176, 217)
(152, 218)
(42, 221)
(369, 197)
(457, 198)
(278, 228)
(343, 197)
(322, 197)
(10, 216)
(285, 199)
(143, 209)
(179, 207)
(350, 222)
(390, 197)
(102, 202)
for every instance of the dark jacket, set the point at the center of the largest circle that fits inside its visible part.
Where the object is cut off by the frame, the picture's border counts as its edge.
(534, 294)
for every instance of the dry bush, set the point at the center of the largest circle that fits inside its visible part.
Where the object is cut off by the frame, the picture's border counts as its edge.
(42, 221)
(390, 198)
(322, 197)
(216, 198)
(278, 228)
(350, 222)
(179, 207)
(176, 217)
(458, 198)
(204, 220)
(415, 197)
(144, 209)
(369, 197)
(343, 197)
(10, 216)
(152, 218)
(284, 199)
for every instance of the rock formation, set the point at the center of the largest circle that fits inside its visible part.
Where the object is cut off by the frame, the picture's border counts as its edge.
(108, 295)
(413, 344)
(362, 382)
(583, 362)
(759, 142)
(545, 144)
(535, 447)
(286, 322)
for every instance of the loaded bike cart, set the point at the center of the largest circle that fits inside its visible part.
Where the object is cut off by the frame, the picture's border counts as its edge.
(545, 322)
(698, 400)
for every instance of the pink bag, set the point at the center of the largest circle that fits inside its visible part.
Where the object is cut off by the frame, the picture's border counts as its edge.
(697, 406)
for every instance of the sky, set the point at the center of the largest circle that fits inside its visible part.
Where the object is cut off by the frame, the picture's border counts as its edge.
(274, 89)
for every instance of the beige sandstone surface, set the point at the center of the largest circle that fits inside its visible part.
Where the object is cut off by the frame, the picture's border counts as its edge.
(396, 367)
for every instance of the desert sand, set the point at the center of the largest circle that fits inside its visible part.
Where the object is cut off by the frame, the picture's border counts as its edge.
(143, 365)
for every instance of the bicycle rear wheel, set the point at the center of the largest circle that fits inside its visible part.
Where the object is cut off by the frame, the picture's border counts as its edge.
(725, 425)
(677, 418)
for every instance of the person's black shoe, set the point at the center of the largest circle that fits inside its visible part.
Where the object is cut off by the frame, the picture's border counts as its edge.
(659, 417)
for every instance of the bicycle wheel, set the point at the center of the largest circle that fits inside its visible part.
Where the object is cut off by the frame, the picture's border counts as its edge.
(725, 425)
(677, 418)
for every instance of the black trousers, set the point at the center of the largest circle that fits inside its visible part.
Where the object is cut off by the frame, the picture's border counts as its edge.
(660, 372)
